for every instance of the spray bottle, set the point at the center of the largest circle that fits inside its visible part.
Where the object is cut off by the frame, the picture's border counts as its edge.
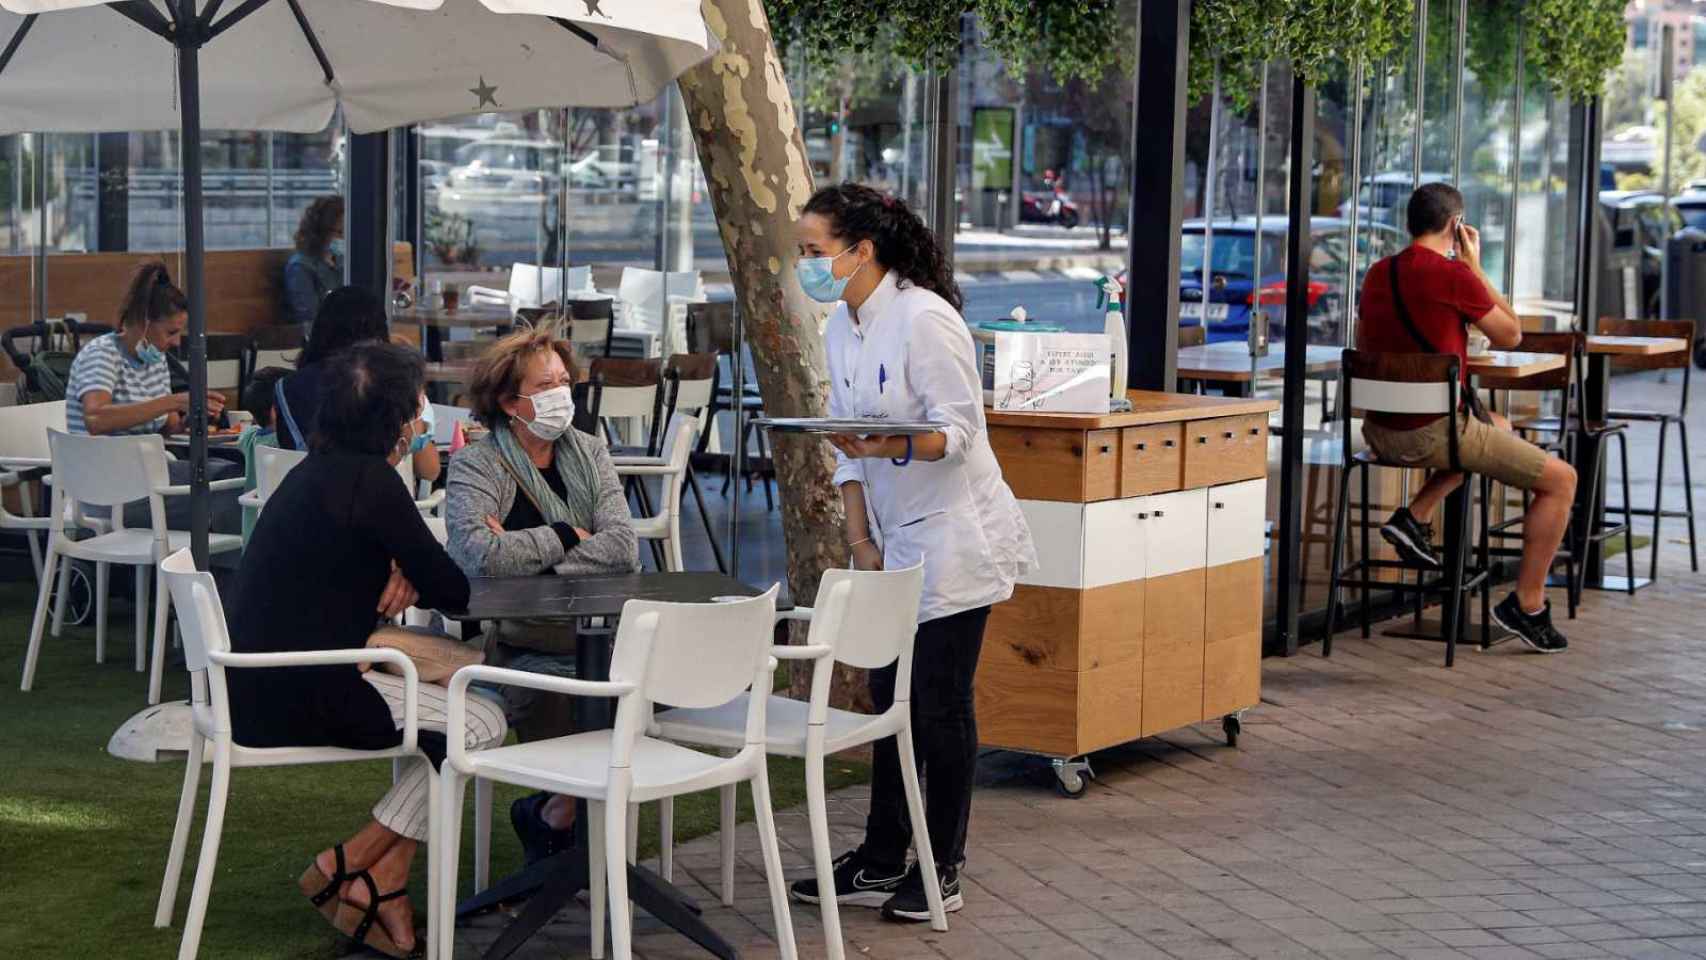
(1111, 295)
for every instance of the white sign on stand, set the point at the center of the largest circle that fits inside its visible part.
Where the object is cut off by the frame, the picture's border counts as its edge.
(1052, 372)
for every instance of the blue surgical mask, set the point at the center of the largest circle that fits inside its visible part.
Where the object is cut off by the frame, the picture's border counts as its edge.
(336, 248)
(819, 281)
(149, 354)
(420, 440)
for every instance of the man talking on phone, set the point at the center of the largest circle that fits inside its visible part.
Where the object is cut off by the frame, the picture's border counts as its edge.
(1424, 299)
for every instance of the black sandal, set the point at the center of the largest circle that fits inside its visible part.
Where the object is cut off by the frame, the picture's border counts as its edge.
(321, 890)
(362, 925)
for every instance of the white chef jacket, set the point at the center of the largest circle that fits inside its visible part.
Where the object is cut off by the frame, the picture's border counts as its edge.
(911, 357)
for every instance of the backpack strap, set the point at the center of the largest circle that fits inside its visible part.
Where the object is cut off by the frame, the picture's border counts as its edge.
(1471, 399)
(284, 413)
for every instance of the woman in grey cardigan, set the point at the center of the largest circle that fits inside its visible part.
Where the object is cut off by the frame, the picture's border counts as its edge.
(535, 497)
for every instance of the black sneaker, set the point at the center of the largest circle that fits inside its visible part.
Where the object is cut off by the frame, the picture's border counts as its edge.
(1413, 539)
(909, 905)
(858, 882)
(1535, 630)
(539, 839)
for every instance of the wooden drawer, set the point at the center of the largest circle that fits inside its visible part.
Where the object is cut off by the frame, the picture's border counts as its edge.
(1175, 531)
(1150, 459)
(1072, 465)
(1237, 521)
(1225, 450)
(1232, 638)
(1172, 651)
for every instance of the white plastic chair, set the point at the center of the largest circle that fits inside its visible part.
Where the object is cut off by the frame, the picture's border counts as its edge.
(23, 445)
(696, 655)
(863, 619)
(111, 472)
(271, 464)
(665, 525)
(207, 651)
(432, 502)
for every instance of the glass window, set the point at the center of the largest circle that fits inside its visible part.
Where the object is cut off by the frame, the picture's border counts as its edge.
(1234, 252)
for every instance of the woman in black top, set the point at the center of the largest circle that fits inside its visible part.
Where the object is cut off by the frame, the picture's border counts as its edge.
(339, 546)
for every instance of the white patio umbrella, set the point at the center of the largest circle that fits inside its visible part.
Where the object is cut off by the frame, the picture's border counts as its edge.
(87, 66)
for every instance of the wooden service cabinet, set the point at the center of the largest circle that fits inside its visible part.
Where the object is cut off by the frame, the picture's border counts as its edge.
(1144, 612)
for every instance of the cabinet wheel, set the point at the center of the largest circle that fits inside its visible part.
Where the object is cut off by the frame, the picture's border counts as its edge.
(1233, 727)
(1072, 778)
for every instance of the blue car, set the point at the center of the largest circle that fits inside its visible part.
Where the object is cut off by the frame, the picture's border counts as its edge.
(1233, 287)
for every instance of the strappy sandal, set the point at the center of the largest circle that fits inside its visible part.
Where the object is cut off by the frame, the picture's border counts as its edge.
(362, 925)
(321, 890)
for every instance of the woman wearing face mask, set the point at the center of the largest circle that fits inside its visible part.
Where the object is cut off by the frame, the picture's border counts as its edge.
(899, 349)
(535, 496)
(119, 385)
(317, 266)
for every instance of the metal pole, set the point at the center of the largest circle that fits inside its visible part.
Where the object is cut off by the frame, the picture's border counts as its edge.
(1288, 582)
(1157, 205)
(1261, 211)
(1213, 165)
(908, 116)
(1457, 130)
(189, 91)
(1421, 74)
(563, 214)
(39, 171)
(1355, 184)
(1516, 170)
(268, 141)
(943, 109)
(1667, 86)
(737, 453)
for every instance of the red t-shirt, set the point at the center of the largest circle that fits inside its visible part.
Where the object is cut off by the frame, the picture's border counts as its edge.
(1444, 297)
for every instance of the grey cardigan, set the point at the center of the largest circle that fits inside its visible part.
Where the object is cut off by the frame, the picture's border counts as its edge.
(480, 487)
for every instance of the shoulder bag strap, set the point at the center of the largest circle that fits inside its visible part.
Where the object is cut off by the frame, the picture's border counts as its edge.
(284, 413)
(1471, 399)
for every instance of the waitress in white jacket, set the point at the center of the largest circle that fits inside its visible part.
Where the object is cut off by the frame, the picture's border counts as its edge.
(899, 350)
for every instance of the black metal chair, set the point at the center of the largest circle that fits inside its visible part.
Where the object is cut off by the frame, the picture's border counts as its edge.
(1683, 329)
(1401, 383)
(1559, 435)
(710, 329)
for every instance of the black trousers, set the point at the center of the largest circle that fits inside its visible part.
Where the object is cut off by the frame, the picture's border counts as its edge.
(944, 734)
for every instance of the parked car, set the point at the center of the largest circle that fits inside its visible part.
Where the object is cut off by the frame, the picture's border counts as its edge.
(1233, 290)
(1691, 204)
(1383, 197)
(500, 173)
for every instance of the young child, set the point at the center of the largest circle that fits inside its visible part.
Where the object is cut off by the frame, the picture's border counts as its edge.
(258, 401)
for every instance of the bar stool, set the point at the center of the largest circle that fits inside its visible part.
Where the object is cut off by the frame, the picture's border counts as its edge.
(1568, 428)
(1683, 329)
(1401, 383)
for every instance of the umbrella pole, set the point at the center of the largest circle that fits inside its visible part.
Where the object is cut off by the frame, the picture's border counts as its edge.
(189, 92)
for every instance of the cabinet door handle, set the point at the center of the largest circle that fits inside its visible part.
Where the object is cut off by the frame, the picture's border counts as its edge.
(1202, 438)
(1229, 434)
(1142, 446)
(1219, 505)
(1143, 516)
(1158, 513)
(1255, 431)
(1107, 449)
(1167, 443)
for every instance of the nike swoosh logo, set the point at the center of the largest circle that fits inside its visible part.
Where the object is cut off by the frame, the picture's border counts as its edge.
(860, 883)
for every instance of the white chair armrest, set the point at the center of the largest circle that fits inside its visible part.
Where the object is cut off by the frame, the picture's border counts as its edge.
(432, 503)
(804, 651)
(797, 613)
(21, 463)
(323, 658)
(251, 499)
(456, 702)
(644, 470)
(634, 461)
(216, 486)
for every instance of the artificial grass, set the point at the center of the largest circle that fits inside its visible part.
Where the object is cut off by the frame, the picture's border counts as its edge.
(83, 835)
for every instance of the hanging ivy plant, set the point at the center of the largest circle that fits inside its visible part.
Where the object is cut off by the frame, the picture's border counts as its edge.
(1491, 44)
(1317, 34)
(1575, 44)
(1235, 35)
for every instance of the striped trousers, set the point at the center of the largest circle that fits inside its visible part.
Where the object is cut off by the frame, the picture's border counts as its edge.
(404, 808)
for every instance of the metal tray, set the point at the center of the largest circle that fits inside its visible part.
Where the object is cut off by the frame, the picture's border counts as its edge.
(855, 426)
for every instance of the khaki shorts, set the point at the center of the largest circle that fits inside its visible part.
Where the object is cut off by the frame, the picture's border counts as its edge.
(1481, 448)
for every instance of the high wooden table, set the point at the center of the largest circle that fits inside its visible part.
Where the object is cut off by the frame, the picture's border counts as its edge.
(1144, 612)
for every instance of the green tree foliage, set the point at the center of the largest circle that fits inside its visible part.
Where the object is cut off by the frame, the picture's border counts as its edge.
(1575, 44)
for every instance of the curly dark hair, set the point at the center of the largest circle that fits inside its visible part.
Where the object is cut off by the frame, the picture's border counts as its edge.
(314, 231)
(151, 296)
(348, 315)
(368, 394)
(903, 243)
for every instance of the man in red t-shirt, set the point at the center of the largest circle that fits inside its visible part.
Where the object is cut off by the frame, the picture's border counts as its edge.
(1443, 290)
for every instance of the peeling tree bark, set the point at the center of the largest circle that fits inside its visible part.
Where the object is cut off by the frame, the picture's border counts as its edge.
(754, 158)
